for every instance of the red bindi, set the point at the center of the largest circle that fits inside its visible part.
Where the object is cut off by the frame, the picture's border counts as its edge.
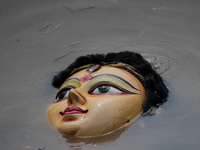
(86, 78)
(90, 71)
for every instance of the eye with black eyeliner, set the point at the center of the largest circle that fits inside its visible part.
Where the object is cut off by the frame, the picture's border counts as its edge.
(107, 88)
(62, 94)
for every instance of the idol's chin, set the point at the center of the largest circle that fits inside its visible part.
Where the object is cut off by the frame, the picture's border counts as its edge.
(94, 139)
(73, 133)
(68, 129)
(75, 125)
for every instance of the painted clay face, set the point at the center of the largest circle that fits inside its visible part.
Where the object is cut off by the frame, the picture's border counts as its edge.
(95, 103)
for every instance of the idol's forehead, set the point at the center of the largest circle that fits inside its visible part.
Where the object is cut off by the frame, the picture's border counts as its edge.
(109, 70)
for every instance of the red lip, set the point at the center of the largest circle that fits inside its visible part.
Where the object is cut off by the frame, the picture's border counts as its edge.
(73, 110)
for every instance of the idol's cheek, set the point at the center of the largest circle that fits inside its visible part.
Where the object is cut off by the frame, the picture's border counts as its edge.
(70, 124)
(53, 112)
(109, 113)
(67, 124)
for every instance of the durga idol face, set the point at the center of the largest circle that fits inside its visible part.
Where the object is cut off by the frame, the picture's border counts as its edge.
(96, 103)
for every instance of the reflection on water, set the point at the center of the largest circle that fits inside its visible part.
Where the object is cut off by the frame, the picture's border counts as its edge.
(167, 37)
(95, 140)
(159, 63)
(76, 146)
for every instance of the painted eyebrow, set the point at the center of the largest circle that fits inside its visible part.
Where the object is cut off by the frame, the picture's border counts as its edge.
(112, 75)
(65, 82)
(72, 79)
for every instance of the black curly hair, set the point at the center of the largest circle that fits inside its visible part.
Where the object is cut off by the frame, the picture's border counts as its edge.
(156, 90)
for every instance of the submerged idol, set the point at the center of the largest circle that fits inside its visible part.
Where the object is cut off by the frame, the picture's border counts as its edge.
(100, 94)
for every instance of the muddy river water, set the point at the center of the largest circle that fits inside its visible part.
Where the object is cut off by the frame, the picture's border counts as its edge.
(39, 38)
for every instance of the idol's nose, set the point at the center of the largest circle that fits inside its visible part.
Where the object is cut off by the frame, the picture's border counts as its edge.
(74, 98)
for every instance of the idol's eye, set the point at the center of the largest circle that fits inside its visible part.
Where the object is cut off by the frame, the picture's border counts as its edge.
(62, 94)
(106, 89)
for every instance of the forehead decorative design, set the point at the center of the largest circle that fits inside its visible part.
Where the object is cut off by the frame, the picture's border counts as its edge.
(86, 78)
(120, 65)
(90, 71)
(95, 67)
